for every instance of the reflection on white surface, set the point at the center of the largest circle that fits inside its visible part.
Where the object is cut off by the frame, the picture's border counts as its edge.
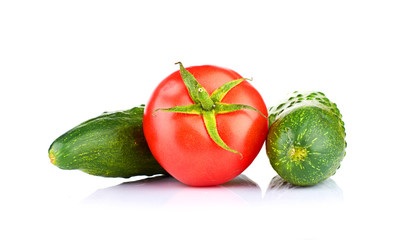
(160, 191)
(167, 191)
(280, 191)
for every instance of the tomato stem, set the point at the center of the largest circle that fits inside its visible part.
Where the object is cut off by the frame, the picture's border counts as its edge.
(209, 105)
(187, 109)
(209, 118)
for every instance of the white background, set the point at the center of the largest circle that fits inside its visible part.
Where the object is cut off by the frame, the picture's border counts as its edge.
(63, 62)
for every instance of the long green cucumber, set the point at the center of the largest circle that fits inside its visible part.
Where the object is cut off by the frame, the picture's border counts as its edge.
(110, 145)
(306, 139)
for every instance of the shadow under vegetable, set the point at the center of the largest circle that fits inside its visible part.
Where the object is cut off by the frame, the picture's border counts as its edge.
(161, 191)
(281, 192)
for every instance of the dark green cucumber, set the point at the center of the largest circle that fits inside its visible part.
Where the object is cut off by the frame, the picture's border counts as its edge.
(110, 145)
(306, 139)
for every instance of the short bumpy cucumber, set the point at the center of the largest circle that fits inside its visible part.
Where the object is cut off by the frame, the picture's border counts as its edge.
(110, 145)
(306, 139)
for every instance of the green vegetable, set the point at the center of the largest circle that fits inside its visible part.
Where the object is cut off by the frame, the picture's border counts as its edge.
(306, 140)
(110, 145)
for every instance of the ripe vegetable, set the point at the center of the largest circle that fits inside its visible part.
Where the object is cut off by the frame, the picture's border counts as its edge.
(205, 124)
(306, 139)
(110, 145)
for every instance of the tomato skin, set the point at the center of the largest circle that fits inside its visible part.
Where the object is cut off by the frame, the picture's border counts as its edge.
(181, 143)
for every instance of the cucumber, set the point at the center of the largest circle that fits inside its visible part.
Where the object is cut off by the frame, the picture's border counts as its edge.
(110, 145)
(306, 139)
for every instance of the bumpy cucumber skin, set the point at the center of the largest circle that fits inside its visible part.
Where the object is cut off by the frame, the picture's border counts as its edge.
(110, 145)
(311, 122)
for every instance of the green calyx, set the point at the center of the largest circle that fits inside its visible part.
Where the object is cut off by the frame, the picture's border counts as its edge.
(208, 106)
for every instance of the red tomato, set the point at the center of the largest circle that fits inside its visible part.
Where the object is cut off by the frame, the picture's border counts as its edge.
(181, 143)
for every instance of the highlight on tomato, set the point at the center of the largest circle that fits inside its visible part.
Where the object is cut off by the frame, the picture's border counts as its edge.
(205, 124)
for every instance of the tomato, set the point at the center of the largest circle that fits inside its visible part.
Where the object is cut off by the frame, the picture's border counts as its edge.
(198, 141)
